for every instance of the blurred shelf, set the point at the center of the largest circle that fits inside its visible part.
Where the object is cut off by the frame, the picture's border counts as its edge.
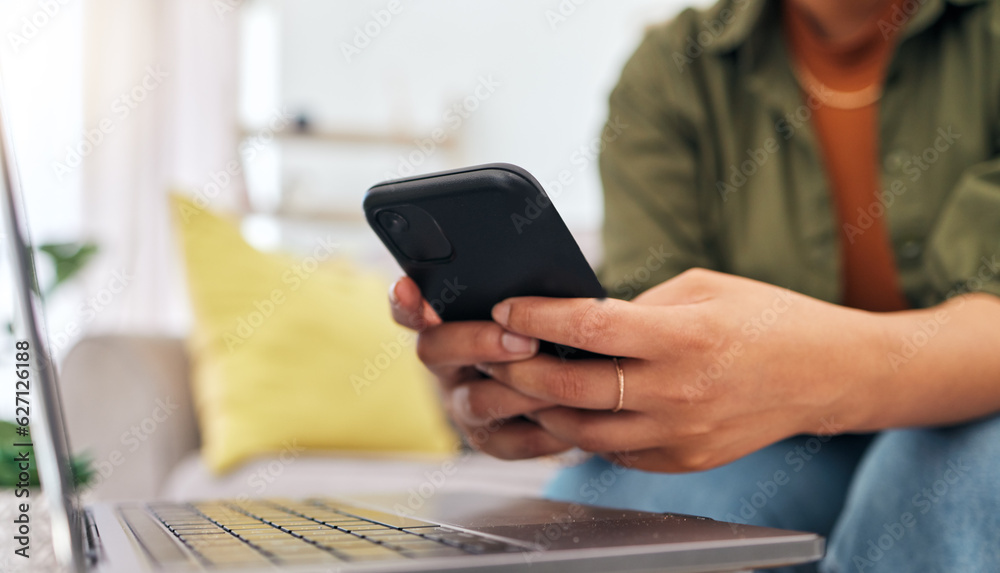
(358, 137)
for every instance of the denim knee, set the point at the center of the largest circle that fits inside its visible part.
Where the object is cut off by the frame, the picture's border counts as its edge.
(923, 500)
(799, 483)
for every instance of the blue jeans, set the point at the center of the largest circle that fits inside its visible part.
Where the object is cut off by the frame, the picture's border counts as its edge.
(920, 500)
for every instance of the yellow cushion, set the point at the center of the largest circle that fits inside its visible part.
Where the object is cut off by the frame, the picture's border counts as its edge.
(297, 352)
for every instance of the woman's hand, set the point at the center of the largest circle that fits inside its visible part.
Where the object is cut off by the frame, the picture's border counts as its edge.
(716, 367)
(489, 413)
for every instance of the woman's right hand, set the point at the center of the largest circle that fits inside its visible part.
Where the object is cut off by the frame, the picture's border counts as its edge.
(494, 418)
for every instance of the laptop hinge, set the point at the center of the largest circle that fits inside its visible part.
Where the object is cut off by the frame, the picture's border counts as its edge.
(91, 538)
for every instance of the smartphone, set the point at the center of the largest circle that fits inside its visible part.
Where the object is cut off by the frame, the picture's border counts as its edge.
(473, 237)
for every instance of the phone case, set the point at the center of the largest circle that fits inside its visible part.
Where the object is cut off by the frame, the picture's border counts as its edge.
(503, 236)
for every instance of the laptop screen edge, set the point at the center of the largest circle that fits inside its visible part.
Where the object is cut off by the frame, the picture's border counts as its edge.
(47, 423)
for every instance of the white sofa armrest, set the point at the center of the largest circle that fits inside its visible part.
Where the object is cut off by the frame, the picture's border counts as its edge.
(128, 406)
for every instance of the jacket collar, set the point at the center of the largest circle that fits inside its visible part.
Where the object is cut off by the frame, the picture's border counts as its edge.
(744, 16)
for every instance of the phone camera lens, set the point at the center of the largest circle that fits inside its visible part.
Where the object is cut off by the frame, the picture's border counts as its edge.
(393, 222)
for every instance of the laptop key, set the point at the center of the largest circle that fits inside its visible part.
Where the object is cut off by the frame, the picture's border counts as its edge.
(365, 527)
(207, 537)
(329, 541)
(348, 544)
(391, 537)
(384, 518)
(327, 534)
(214, 544)
(299, 529)
(186, 532)
(435, 551)
(369, 553)
(280, 543)
(265, 536)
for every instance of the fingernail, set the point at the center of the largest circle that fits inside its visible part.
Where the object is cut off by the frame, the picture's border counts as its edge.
(461, 407)
(484, 368)
(517, 344)
(393, 299)
(501, 313)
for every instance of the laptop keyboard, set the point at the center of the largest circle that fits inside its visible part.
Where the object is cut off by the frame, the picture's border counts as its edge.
(240, 533)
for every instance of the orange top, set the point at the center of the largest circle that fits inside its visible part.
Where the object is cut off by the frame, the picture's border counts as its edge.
(848, 139)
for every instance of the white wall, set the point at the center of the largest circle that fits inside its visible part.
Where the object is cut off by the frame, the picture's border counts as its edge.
(40, 66)
(552, 75)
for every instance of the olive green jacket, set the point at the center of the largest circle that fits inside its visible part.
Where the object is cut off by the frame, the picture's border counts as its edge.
(711, 160)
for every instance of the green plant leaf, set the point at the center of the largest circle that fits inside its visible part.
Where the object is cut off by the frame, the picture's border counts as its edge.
(68, 258)
(9, 459)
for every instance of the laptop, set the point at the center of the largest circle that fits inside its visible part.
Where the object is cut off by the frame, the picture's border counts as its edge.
(452, 532)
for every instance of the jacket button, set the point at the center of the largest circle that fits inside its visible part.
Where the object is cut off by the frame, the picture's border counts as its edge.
(895, 160)
(911, 250)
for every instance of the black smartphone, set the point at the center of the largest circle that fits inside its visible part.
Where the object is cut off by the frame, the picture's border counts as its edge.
(473, 237)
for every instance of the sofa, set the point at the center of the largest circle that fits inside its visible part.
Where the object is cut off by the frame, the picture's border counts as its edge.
(128, 406)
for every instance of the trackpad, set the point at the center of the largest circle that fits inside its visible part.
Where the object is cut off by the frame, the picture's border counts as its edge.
(557, 524)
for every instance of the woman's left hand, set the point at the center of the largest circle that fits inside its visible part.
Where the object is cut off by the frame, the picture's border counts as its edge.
(715, 367)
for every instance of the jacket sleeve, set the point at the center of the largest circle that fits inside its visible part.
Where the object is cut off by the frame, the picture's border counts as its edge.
(652, 225)
(963, 250)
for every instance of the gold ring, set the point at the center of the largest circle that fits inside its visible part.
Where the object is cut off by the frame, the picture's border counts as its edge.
(621, 385)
